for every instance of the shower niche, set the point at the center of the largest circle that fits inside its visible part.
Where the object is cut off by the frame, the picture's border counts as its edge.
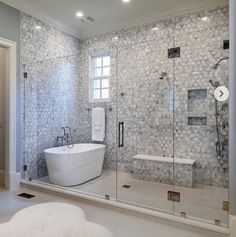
(197, 107)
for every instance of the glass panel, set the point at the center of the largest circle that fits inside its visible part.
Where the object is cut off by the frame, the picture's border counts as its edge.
(51, 102)
(50, 87)
(106, 71)
(201, 127)
(106, 61)
(30, 124)
(96, 94)
(145, 116)
(105, 94)
(96, 84)
(98, 72)
(103, 186)
(105, 83)
(97, 62)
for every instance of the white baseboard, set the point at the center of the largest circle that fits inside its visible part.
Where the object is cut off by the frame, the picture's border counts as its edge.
(12, 181)
(18, 179)
(2, 177)
(232, 226)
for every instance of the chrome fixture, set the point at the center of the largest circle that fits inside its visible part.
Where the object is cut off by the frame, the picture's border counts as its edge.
(163, 75)
(215, 66)
(108, 109)
(67, 137)
(214, 84)
(221, 125)
(218, 142)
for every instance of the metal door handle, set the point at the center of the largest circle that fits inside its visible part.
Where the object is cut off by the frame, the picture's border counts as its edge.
(121, 134)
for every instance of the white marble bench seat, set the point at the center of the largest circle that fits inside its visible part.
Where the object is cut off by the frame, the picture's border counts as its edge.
(167, 170)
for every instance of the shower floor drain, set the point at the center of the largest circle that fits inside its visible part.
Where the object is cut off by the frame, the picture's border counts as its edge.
(26, 195)
(126, 186)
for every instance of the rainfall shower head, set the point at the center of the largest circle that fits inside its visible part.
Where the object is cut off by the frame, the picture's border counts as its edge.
(215, 66)
(163, 75)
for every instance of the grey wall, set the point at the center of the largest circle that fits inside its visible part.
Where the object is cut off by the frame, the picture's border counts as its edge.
(10, 29)
(232, 110)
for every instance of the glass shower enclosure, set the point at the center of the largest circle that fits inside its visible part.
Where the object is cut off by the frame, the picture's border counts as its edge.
(145, 155)
(173, 155)
(166, 134)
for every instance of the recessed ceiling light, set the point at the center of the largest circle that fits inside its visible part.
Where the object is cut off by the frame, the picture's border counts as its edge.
(126, 1)
(79, 14)
(205, 18)
(154, 29)
(38, 27)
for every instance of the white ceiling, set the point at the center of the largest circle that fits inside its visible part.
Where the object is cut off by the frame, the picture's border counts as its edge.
(109, 15)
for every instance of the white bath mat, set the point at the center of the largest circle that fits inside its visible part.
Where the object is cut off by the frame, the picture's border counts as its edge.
(52, 219)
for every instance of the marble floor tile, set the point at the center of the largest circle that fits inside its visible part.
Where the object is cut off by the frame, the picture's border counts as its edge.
(201, 202)
(119, 222)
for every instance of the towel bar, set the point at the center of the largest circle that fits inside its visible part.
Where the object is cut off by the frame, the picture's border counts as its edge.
(109, 109)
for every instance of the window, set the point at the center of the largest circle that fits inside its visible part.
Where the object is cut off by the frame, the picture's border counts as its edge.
(100, 78)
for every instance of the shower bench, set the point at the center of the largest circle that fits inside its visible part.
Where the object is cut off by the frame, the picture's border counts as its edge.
(166, 170)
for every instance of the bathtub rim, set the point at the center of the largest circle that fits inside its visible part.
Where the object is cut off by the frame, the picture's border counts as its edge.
(53, 150)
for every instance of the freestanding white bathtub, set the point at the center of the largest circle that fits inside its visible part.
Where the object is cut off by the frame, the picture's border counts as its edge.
(70, 167)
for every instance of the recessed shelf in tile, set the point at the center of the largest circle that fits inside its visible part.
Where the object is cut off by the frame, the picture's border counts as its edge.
(197, 100)
(199, 121)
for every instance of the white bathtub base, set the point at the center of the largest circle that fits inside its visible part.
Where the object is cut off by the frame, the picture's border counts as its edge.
(71, 167)
(121, 205)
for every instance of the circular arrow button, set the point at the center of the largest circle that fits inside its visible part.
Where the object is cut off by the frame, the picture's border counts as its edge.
(221, 93)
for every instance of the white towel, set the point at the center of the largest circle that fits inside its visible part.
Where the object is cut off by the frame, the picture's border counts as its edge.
(98, 124)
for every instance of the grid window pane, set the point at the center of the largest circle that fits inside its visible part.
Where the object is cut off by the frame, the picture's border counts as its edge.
(100, 77)
(96, 84)
(105, 83)
(98, 72)
(98, 62)
(106, 61)
(105, 94)
(106, 71)
(96, 94)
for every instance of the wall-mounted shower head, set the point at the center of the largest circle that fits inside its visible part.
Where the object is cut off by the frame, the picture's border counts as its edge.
(215, 66)
(214, 84)
(163, 75)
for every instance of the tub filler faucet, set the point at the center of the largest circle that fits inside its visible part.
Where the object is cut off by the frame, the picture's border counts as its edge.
(67, 138)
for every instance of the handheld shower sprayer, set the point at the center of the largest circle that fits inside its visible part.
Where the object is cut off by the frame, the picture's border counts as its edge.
(215, 66)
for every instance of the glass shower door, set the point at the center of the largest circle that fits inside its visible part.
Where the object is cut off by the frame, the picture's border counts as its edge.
(145, 124)
(201, 127)
(50, 86)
